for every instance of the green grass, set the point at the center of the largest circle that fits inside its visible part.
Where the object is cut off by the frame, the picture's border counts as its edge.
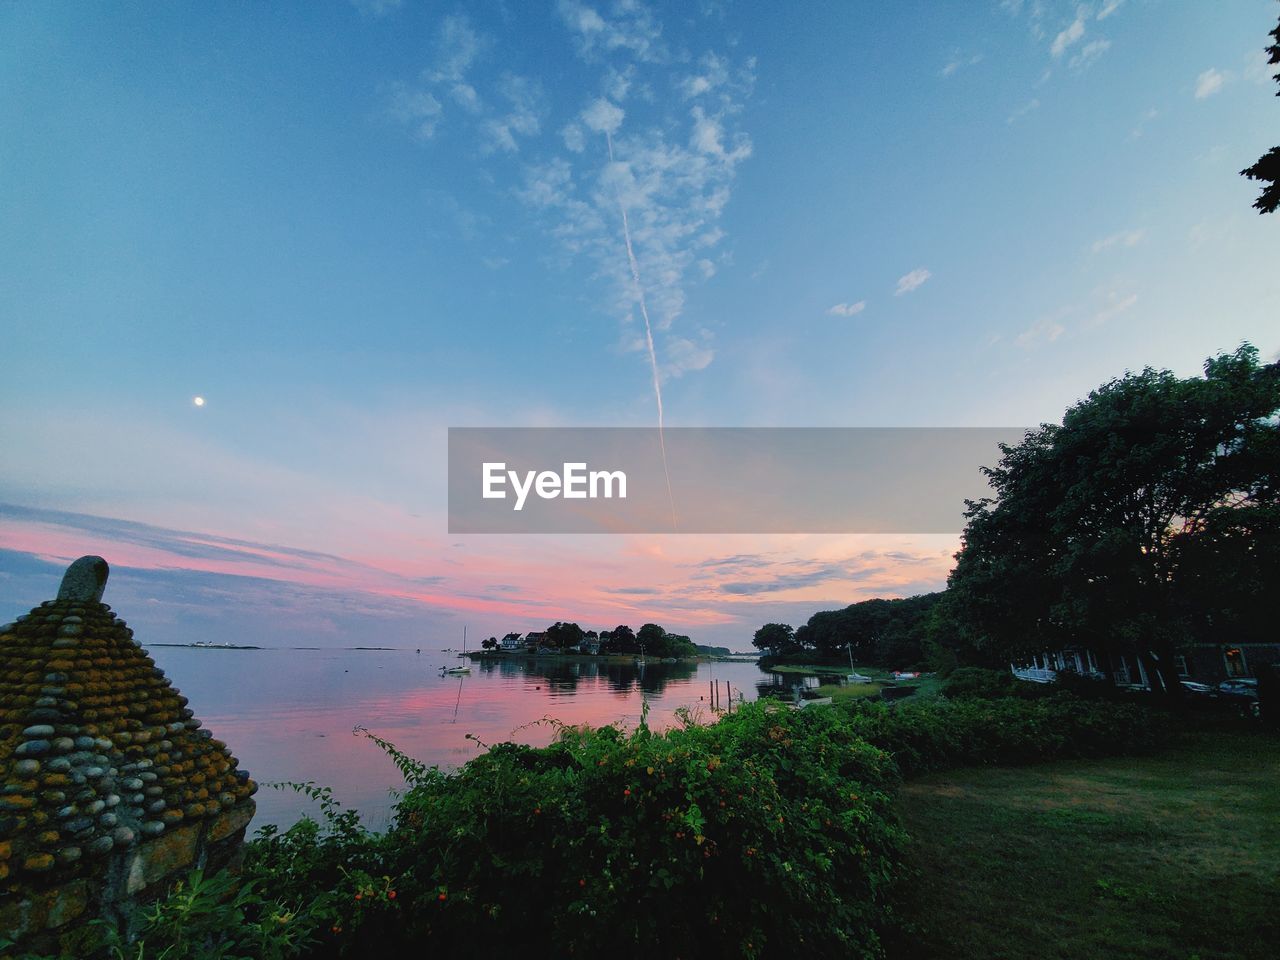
(830, 669)
(1176, 855)
(849, 691)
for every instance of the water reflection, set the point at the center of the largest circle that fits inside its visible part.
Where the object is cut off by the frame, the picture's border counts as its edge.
(564, 676)
(289, 714)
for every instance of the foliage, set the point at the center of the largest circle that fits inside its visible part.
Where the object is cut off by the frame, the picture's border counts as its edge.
(1088, 538)
(1267, 169)
(969, 682)
(942, 733)
(777, 638)
(562, 636)
(769, 832)
(216, 917)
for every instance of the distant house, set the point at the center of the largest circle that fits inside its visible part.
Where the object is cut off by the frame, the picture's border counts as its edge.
(513, 641)
(534, 639)
(1203, 663)
(590, 644)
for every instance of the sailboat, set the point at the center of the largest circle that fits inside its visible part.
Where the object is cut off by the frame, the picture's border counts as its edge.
(854, 676)
(464, 668)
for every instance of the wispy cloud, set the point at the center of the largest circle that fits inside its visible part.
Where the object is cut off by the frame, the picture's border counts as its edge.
(912, 281)
(1113, 307)
(1124, 238)
(1069, 36)
(376, 8)
(1042, 331)
(1141, 126)
(418, 110)
(958, 61)
(847, 309)
(631, 30)
(1090, 52)
(1209, 83)
(1108, 8)
(668, 162)
(1022, 111)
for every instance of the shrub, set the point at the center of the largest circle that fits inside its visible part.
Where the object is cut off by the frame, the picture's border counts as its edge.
(941, 733)
(768, 833)
(979, 682)
(765, 833)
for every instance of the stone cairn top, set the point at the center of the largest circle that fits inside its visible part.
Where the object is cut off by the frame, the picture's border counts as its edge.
(98, 750)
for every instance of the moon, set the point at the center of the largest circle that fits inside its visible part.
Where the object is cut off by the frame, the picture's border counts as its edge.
(198, 401)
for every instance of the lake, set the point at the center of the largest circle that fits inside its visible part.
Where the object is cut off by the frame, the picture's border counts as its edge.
(290, 714)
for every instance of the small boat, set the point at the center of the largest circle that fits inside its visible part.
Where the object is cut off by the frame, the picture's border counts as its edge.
(458, 671)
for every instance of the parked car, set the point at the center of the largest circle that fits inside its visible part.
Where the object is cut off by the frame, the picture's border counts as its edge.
(1198, 689)
(1243, 688)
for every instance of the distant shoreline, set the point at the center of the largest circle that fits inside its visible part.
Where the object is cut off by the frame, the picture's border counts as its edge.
(245, 646)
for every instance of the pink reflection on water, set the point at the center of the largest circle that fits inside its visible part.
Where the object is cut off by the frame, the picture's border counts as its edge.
(288, 715)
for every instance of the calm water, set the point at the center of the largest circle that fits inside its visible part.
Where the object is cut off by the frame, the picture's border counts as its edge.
(289, 714)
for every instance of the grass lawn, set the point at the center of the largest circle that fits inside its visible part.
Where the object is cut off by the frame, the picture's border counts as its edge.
(1171, 856)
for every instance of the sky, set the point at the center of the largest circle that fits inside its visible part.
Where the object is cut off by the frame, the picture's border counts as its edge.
(349, 226)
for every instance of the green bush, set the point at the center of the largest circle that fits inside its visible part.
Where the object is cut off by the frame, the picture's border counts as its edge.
(763, 834)
(770, 833)
(979, 682)
(941, 733)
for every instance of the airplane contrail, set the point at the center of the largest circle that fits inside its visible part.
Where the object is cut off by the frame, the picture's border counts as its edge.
(648, 333)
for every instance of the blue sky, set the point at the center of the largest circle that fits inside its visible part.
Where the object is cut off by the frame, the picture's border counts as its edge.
(351, 225)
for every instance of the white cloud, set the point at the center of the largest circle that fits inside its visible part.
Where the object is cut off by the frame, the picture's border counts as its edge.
(573, 138)
(1140, 128)
(1115, 306)
(1042, 331)
(847, 309)
(1209, 83)
(1023, 110)
(631, 30)
(958, 61)
(416, 109)
(1108, 8)
(1090, 52)
(1069, 36)
(376, 8)
(713, 73)
(1125, 238)
(912, 281)
(526, 106)
(603, 116)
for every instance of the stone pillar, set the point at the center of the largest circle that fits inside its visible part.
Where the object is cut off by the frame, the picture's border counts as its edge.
(111, 787)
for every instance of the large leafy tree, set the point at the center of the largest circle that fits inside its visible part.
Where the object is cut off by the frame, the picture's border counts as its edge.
(1104, 529)
(776, 638)
(875, 631)
(563, 635)
(1267, 169)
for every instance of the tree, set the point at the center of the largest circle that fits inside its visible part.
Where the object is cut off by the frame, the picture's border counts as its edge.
(1267, 169)
(1090, 535)
(651, 639)
(777, 638)
(562, 636)
(618, 640)
(490, 644)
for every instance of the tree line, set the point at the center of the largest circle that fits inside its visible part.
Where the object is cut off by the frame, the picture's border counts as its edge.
(1146, 521)
(650, 640)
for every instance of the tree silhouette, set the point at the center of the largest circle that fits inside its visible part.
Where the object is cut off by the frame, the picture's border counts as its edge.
(1267, 169)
